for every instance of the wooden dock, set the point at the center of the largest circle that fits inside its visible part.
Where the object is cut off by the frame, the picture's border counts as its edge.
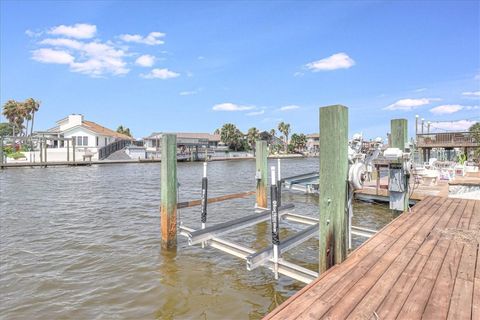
(424, 264)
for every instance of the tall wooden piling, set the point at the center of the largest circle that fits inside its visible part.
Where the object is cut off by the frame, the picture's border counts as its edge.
(333, 185)
(261, 172)
(68, 150)
(45, 149)
(168, 207)
(399, 129)
(73, 148)
(1, 149)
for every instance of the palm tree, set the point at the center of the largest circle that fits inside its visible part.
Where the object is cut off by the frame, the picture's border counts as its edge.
(11, 112)
(285, 129)
(231, 136)
(298, 142)
(272, 132)
(32, 106)
(252, 136)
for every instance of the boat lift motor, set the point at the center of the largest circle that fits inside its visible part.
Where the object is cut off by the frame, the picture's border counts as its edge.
(399, 166)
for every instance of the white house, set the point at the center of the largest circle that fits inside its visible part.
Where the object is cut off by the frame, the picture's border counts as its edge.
(89, 138)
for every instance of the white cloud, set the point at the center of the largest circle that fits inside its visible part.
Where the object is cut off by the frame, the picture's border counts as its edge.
(63, 42)
(151, 39)
(337, 61)
(420, 90)
(78, 31)
(145, 60)
(290, 107)
(160, 74)
(93, 58)
(189, 93)
(298, 74)
(409, 104)
(256, 113)
(471, 93)
(461, 125)
(446, 109)
(46, 55)
(227, 106)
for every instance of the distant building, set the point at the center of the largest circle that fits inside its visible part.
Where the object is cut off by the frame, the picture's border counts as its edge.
(313, 143)
(87, 134)
(186, 140)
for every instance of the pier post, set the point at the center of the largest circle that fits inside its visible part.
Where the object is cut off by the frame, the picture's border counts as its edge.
(1, 149)
(40, 143)
(399, 132)
(333, 185)
(68, 150)
(261, 172)
(168, 207)
(73, 149)
(45, 149)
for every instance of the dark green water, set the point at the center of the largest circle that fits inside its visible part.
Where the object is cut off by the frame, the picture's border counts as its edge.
(84, 243)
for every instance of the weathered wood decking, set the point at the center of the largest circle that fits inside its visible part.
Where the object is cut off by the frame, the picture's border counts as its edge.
(424, 264)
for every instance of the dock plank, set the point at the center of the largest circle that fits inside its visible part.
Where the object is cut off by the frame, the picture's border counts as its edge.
(417, 266)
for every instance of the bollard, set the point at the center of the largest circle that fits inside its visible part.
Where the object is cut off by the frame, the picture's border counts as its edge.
(168, 207)
(333, 186)
(279, 185)
(275, 225)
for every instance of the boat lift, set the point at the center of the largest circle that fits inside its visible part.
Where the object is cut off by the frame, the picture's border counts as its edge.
(270, 257)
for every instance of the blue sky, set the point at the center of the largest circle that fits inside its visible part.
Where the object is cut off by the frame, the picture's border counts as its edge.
(192, 66)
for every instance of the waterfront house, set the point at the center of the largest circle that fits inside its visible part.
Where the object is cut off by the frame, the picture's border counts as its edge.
(313, 143)
(89, 138)
(186, 140)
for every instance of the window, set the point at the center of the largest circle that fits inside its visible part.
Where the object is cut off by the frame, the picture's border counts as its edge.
(106, 141)
(96, 141)
(82, 141)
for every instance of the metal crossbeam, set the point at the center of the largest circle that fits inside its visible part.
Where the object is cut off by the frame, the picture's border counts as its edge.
(206, 234)
(358, 231)
(258, 259)
(286, 268)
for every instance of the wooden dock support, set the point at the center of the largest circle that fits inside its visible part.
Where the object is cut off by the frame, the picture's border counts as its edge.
(168, 207)
(68, 150)
(73, 149)
(399, 133)
(45, 150)
(261, 172)
(333, 185)
(1, 150)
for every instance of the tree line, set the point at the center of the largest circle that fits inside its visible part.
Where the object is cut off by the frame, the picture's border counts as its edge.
(20, 116)
(239, 141)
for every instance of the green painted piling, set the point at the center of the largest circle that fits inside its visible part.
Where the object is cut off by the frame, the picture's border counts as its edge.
(261, 171)
(168, 207)
(333, 185)
(399, 133)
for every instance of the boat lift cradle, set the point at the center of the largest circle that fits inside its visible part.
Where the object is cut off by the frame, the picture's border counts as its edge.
(270, 257)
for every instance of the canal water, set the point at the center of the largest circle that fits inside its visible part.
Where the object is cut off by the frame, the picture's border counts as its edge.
(84, 243)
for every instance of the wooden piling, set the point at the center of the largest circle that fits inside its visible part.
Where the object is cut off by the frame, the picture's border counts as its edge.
(399, 129)
(168, 207)
(1, 149)
(40, 143)
(333, 185)
(45, 149)
(261, 172)
(68, 150)
(73, 148)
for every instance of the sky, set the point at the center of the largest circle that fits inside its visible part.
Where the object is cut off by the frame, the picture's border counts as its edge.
(192, 66)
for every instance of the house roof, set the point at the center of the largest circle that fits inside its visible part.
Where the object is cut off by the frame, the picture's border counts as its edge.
(95, 127)
(313, 135)
(189, 135)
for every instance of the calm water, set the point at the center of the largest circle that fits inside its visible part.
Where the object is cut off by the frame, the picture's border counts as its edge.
(84, 243)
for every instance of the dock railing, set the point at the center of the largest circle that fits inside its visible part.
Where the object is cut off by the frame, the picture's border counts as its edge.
(446, 139)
